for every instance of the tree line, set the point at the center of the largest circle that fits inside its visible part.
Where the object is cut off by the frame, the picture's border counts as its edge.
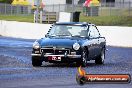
(6, 1)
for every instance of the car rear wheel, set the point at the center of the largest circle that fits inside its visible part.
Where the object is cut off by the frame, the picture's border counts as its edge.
(36, 61)
(101, 57)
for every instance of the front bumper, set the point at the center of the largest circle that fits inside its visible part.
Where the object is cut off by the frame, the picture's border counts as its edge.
(66, 56)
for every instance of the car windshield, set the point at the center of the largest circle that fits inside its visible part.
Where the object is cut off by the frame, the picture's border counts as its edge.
(69, 30)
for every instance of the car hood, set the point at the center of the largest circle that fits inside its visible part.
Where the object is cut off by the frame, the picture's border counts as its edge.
(59, 42)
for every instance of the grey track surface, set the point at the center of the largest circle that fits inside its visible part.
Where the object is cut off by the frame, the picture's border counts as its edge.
(16, 70)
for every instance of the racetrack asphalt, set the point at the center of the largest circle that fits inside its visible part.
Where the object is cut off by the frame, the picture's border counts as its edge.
(16, 70)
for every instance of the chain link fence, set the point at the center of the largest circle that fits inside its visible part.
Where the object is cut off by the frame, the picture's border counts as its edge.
(105, 9)
(8, 9)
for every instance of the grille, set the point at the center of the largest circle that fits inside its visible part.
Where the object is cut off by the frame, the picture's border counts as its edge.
(55, 51)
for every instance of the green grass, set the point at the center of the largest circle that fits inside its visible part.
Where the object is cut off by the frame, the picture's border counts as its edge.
(98, 20)
(108, 20)
(106, 11)
(20, 18)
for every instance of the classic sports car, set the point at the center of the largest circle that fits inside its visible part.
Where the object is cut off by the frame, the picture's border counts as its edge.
(70, 42)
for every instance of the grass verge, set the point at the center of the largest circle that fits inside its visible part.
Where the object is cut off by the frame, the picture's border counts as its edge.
(20, 18)
(108, 20)
(98, 20)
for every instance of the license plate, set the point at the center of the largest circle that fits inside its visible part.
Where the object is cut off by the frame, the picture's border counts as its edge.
(54, 58)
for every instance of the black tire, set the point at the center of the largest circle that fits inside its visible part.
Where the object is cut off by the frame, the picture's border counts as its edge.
(83, 61)
(36, 61)
(100, 59)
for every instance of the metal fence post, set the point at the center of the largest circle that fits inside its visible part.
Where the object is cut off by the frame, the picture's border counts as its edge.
(53, 8)
(11, 9)
(17, 9)
(5, 9)
(0, 9)
(73, 5)
(100, 10)
(41, 16)
(59, 8)
(129, 8)
(110, 7)
(91, 11)
(34, 17)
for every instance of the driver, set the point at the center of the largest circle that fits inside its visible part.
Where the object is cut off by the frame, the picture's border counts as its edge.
(64, 31)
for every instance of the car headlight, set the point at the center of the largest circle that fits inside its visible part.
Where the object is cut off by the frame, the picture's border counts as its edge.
(76, 46)
(36, 45)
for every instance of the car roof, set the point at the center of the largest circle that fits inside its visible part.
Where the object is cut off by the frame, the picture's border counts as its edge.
(73, 23)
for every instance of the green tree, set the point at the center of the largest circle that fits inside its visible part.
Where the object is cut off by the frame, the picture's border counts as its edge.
(6, 1)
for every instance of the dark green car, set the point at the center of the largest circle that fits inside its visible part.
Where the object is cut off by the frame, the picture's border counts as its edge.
(69, 42)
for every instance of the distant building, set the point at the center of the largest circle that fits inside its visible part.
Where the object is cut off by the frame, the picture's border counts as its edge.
(116, 1)
(56, 5)
(51, 2)
(112, 3)
(54, 2)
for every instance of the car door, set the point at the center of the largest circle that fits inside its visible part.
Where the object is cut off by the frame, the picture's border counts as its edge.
(97, 37)
(93, 42)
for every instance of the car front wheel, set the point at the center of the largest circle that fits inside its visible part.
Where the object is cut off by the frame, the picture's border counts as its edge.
(83, 61)
(36, 61)
(101, 57)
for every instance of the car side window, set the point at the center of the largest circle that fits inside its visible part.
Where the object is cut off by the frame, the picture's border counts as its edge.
(93, 32)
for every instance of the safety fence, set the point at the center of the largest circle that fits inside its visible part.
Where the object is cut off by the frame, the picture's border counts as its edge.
(104, 9)
(8, 9)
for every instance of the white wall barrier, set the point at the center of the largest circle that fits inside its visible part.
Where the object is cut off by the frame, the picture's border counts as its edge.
(115, 35)
(23, 29)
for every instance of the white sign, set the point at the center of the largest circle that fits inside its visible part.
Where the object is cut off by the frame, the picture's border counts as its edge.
(64, 17)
